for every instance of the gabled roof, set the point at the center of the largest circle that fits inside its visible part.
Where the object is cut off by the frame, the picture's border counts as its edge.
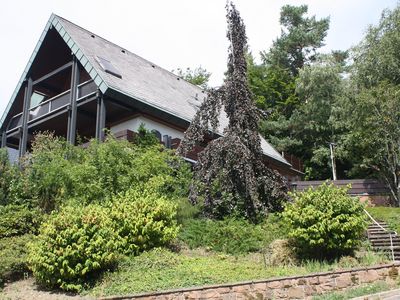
(140, 79)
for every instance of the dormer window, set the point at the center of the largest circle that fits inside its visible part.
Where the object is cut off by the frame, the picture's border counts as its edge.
(108, 67)
(37, 98)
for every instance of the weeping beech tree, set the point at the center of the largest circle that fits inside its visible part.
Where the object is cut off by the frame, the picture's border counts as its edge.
(230, 175)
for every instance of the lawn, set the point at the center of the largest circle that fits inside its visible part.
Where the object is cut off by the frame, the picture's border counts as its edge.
(161, 269)
(391, 215)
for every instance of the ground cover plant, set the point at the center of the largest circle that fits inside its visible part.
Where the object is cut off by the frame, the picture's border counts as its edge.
(390, 215)
(161, 269)
(372, 288)
(232, 236)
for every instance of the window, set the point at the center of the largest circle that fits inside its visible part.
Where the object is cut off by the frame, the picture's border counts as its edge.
(157, 134)
(36, 98)
(108, 67)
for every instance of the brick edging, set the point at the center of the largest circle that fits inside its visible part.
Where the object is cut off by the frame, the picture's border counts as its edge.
(243, 283)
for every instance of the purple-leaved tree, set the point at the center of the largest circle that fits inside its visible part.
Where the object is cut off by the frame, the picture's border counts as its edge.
(230, 175)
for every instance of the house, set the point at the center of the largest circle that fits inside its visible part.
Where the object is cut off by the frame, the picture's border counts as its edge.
(77, 83)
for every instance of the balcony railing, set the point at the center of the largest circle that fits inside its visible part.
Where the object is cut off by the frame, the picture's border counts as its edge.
(53, 104)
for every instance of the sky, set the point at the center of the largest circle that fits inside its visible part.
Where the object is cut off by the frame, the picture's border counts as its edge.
(172, 34)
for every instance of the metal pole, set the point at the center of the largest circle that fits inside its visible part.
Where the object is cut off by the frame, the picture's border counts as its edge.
(25, 118)
(72, 116)
(331, 145)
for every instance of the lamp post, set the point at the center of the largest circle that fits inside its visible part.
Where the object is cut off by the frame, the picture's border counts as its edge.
(331, 146)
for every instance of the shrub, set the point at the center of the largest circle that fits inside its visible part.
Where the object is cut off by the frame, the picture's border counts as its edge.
(281, 252)
(325, 222)
(56, 171)
(73, 246)
(13, 257)
(143, 220)
(230, 235)
(18, 220)
(79, 242)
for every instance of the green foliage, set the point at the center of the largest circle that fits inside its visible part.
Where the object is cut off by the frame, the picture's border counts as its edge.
(18, 220)
(8, 173)
(73, 246)
(376, 58)
(145, 138)
(301, 37)
(56, 171)
(232, 236)
(198, 76)
(142, 220)
(373, 139)
(390, 215)
(186, 210)
(272, 87)
(325, 222)
(161, 269)
(363, 290)
(13, 257)
(77, 243)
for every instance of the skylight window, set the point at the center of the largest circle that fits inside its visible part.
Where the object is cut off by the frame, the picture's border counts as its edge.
(36, 98)
(108, 67)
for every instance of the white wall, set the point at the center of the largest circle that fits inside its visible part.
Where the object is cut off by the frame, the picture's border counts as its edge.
(133, 124)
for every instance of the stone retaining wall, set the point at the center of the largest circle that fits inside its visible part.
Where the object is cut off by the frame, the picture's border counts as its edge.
(295, 287)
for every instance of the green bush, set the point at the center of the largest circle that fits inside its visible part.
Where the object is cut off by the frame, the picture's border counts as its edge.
(79, 242)
(56, 171)
(325, 222)
(18, 220)
(143, 220)
(73, 246)
(233, 236)
(13, 257)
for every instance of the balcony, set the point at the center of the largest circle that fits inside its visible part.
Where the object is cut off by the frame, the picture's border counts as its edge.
(52, 105)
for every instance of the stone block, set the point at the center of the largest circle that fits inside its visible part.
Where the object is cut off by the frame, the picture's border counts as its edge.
(209, 294)
(369, 276)
(393, 272)
(228, 296)
(279, 294)
(295, 293)
(343, 281)
(274, 285)
(313, 280)
(261, 286)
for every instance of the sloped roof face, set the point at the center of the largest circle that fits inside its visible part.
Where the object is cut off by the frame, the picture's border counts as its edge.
(140, 79)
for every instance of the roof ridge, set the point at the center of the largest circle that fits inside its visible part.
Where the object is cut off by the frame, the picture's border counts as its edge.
(130, 52)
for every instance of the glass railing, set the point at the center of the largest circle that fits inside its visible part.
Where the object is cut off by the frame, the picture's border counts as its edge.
(53, 104)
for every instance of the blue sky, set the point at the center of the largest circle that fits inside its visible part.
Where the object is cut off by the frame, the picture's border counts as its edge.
(173, 33)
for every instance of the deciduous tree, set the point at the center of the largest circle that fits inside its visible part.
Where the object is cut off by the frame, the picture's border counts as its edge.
(230, 172)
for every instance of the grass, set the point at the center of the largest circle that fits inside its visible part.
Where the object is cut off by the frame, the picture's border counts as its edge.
(232, 236)
(391, 215)
(372, 288)
(161, 269)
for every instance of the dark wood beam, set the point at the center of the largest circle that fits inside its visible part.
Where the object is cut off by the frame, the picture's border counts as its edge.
(3, 139)
(86, 114)
(101, 117)
(120, 105)
(25, 116)
(52, 73)
(72, 115)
